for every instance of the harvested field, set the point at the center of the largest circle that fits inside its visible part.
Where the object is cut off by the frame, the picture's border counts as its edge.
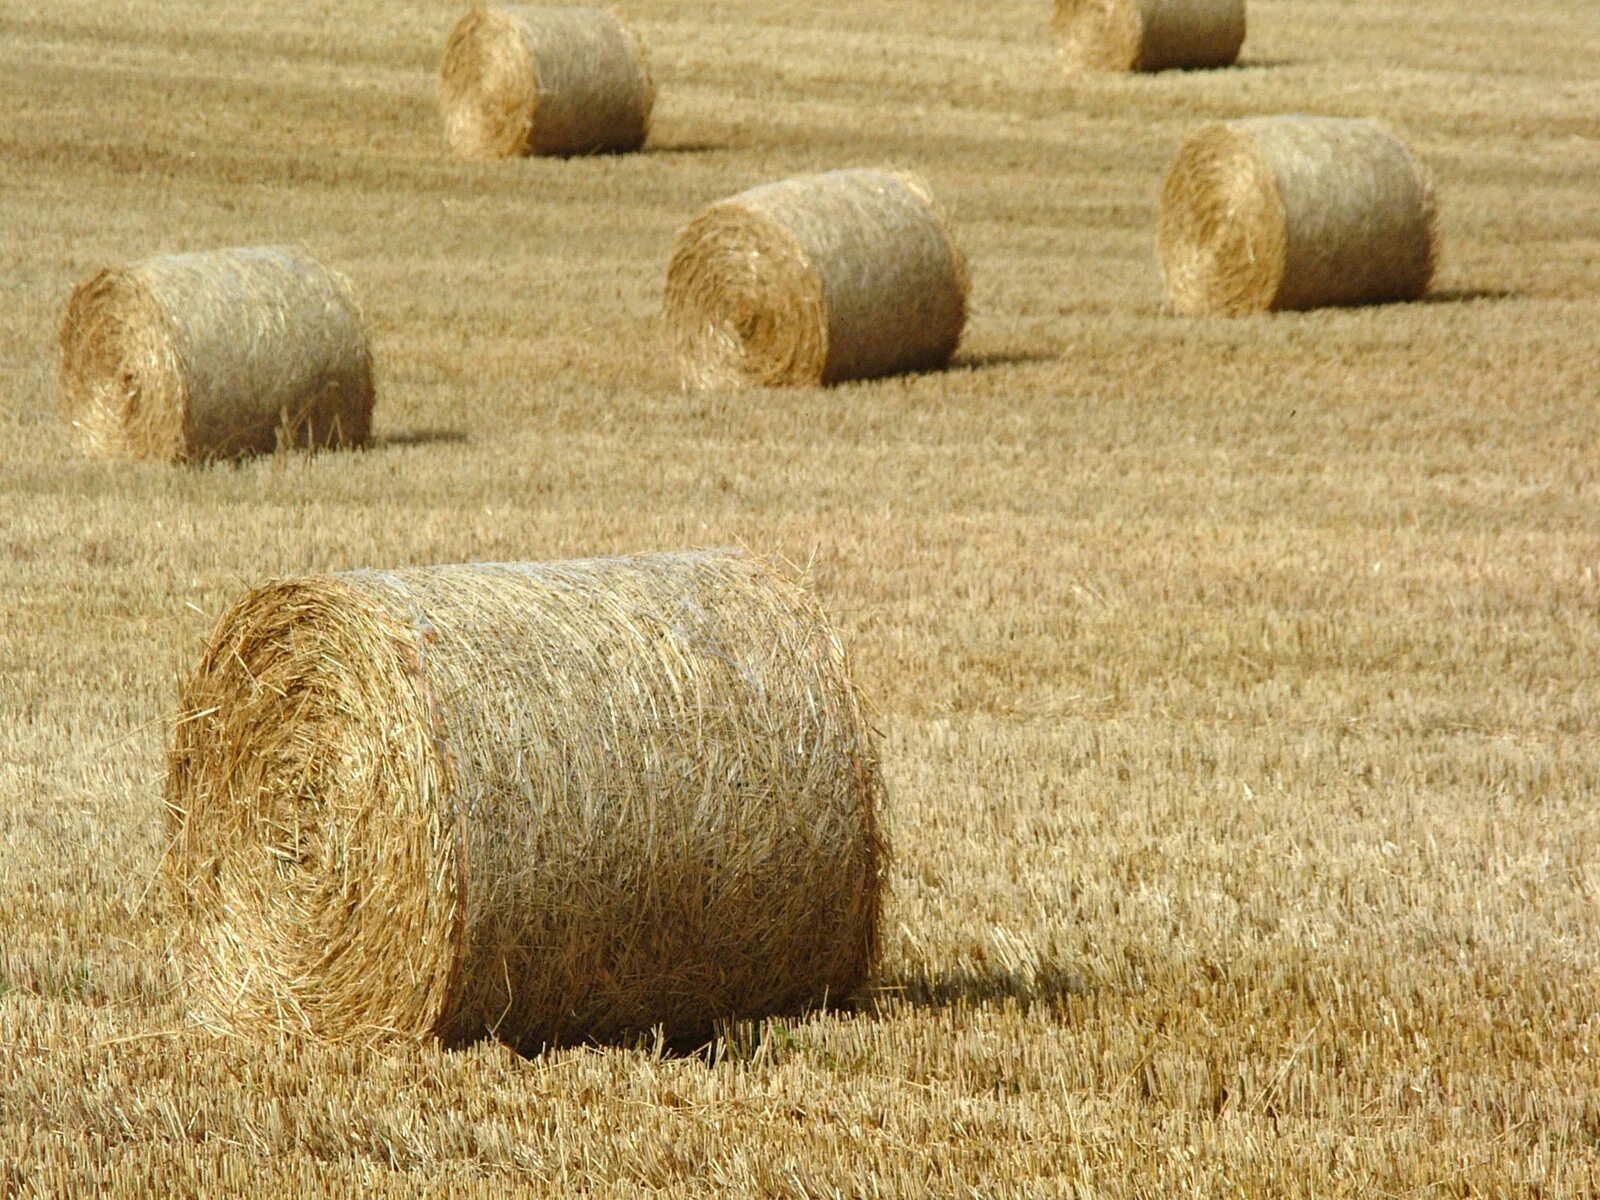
(1236, 679)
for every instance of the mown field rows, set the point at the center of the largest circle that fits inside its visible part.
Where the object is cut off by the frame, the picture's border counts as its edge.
(1236, 678)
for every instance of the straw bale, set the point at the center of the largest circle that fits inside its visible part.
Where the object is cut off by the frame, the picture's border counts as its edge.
(846, 275)
(1294, 212)
(546, 802)
(214, 355)
(523, 80)
(1149, 35)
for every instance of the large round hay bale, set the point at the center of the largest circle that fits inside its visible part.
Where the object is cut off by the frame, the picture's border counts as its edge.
(1294, 212)
(846, 275)
(214, 355)
(524, 80)
(541, 801)
(1149, 35)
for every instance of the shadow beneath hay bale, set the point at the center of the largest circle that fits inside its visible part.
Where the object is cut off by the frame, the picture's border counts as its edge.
(964, 361)
(970, 986)
(742, 1039)
(687, 147)
(982, 359)
(648, 150)
(1467, 295)
(1263, 64)
(1175, 72)
(765, 1039)
(420, 437)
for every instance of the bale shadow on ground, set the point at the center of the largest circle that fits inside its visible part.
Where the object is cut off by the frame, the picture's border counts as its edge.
(688, 147)
(1262, 64)
(716, 1041)
(985, 359)
(420, 437)
(1467, 295)
(757, 1039)
(973, 987)
(925, 988)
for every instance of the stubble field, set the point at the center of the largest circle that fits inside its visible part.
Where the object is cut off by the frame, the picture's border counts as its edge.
(1237, 679)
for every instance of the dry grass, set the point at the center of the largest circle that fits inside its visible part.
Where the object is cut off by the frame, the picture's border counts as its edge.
(1237, 678)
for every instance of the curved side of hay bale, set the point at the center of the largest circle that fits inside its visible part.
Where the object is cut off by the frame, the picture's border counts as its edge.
(543, 801)
(847, 275)
(215, 355)
(1295, 212)
(558, 81)
(1149, 35)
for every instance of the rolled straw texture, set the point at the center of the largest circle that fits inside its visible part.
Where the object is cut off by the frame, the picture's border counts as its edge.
(525, 80)
(1149, 35)
(814, 280)
(546, 802)
(214, 355)
(1294, 212)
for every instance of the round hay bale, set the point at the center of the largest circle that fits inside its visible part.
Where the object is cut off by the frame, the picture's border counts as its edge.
(523, 80)
(214, 355)
(1149, 35)
(1294, 212)
(846, 275)
(544, 802)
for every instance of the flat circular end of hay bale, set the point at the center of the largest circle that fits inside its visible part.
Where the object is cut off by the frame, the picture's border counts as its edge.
(487, 90)
(319, 880)
(1221, 232)
(743, 306)
(121, 385)
(1099, 35)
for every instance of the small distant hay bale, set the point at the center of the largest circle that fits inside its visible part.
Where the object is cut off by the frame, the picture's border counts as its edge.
(846, 275)
(557, 81)
(1294, 212)
(544, 802)
(1149, 35)
(215, 355)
